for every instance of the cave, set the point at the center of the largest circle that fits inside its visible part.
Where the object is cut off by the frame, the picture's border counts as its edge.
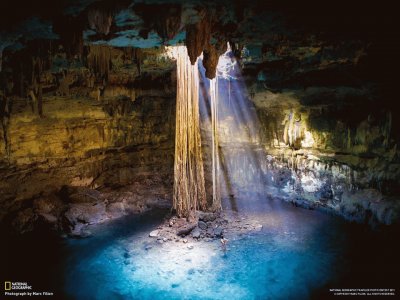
(169, 149)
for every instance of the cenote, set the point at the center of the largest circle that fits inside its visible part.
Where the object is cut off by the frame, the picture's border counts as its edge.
(299, 254)
(198, 150)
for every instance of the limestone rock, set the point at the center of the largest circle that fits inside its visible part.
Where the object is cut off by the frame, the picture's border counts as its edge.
(196, 233)
(207, 216)
(186, 229)
(202, 225)
(218, 232)
(154, 233)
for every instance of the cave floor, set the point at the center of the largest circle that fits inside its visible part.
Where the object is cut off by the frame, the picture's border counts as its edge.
(297, 253)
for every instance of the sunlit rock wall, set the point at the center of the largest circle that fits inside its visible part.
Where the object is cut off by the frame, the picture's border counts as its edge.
(122, 146)
(336, 156)
(325, 129)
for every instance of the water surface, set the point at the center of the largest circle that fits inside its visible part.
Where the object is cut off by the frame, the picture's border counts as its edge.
(298, 254)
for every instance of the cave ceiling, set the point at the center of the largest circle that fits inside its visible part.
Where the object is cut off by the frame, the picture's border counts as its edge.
(146, 24)
(296, 43)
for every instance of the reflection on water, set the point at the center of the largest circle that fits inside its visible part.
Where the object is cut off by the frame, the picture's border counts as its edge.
(298, 254)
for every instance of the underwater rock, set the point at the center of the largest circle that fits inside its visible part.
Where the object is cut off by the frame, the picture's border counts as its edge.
(154, 233)
(258, 227)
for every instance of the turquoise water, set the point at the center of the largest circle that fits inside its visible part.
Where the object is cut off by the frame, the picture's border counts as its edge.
(293, 255)
(298, 254)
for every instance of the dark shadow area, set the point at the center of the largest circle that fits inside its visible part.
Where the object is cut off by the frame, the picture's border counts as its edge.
(42, 258)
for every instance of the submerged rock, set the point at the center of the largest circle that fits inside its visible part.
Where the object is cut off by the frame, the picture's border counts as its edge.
(154, 233)
(258, 227)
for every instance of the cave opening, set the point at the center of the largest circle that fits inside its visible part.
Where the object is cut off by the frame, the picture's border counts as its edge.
(198, 150)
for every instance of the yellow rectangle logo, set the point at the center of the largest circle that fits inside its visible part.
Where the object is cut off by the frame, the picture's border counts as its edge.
(7, 285)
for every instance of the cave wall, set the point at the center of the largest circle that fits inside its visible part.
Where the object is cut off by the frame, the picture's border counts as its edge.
(98, 151)
(350, 170)
(87, 105)
(320, 161)
(327, 130)
(69, 154)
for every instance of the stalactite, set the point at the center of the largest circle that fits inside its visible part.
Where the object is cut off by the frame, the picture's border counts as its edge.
(70, 29)
(387, 127)
(5, 111)
(100, 20)
(40, 88)
(99, 59)
(198, 37)
(236, 49)
(36, 89)
(199, 40)
(1, 58)
(137, 58)
(293, 132)
(165, 19)
(168, 27)
(211, 56)
(189, 189)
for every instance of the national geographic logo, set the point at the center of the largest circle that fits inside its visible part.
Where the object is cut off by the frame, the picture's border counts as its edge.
(11, 286)
(22, 289)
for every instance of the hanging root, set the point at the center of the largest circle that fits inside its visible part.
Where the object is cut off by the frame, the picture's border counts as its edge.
(216, 201)
(189, 189)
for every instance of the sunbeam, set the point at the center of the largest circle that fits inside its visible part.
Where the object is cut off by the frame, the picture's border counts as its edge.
(238, 157)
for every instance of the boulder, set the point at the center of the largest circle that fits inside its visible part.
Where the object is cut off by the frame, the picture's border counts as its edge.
(202, 225)
(196, 233)
(186, 229)
(87, 213)
(218, 232)
(207, 216)
(25, 221)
